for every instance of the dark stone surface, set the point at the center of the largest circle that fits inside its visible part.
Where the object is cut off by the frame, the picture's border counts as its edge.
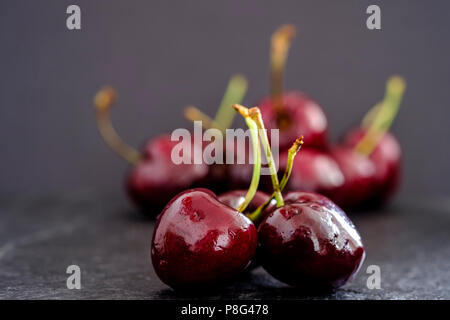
(41, 235)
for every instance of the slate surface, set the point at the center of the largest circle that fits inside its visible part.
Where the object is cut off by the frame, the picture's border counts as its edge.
(41, 235)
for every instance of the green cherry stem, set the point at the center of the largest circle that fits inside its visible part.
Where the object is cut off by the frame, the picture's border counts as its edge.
(292, 152)
(235, 92)
(280, 44)
(384, 116)
(254, 216)
(194, 114)
(255, 114)
(256, 155)
(103, 101)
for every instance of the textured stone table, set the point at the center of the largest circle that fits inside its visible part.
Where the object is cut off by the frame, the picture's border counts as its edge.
(41, 235)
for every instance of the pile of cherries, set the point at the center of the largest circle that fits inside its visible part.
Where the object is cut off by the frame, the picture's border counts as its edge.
(302, 238)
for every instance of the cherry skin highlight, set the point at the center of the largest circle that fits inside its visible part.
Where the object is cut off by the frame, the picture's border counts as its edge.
(200, 241)
(310, 243)
(359, 178)
(387, 158)
(300, 116)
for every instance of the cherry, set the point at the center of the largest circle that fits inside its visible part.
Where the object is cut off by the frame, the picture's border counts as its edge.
(151, 184)
(359, 178)
(374, 141)
(307, 241)
(300, 116)
(314, 171)
(154, 178)
(387, 159)
(199, 240)
(293, 113)
(310, 243)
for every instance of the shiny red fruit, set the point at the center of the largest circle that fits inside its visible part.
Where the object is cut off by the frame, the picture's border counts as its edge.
(151, 184)
(310, 243)
(387, 158)
(359, 178)
(302, 117)
(313, 171)
(199, 241)
(154, 181)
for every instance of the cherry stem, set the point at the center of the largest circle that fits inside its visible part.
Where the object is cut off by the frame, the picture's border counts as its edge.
(194, 114)
(236, 89)
(280, 44)
(235, 92)
(103, 101)
(296, 146)
(256, 155)
(383, 116)
(255, 114)
(369, 116)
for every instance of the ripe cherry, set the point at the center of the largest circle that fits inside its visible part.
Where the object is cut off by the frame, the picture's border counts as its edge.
(314, 171)
(154, 178)
(307, 241)
(370, 157)
(358, 178)
(199, 240)
(310, 243)
(387, 159)
(293, 113)
(374, 141)
(300, 116)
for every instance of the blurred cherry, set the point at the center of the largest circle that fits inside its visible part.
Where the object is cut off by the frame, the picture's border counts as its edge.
(359, 178)
(314, 171)
(293, 113)
(387, 158)
(154, 179)
(373, 141)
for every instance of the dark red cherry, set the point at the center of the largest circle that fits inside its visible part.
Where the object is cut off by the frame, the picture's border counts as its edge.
(300, 116)
(198, 240)
(154, 178)
(313, 170)
(157, 179)
(359, 178)
(310, 243)
(387, 158)
(152, 183)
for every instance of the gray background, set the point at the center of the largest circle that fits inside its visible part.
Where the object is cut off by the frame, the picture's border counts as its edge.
(163, 55)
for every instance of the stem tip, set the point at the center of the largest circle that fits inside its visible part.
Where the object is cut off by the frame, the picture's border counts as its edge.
(243, 111)
(105, 98)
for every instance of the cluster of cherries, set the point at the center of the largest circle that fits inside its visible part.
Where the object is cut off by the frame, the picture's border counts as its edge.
(302, 238)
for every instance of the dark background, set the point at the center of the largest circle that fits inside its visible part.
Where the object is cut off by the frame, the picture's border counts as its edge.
(163, 55)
